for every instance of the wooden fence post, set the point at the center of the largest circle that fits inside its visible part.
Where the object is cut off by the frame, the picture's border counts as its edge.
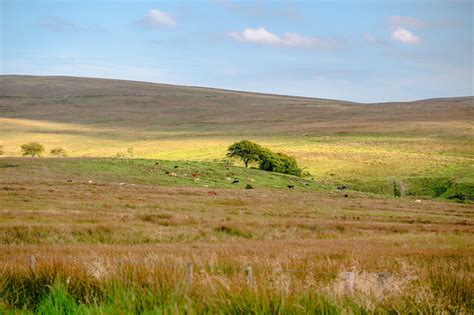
(249, 272)
(189, 275)
(32, 264)
(381, 280)
(349, 278)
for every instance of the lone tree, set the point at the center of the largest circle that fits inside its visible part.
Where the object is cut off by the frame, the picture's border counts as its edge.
(267, 160)
(32, 148)
(58, 152)
(245, 150)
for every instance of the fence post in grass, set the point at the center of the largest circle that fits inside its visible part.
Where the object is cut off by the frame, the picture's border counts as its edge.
(32, 264)
(349, 278)
(249, 272)
(189, 275)
(382, 279)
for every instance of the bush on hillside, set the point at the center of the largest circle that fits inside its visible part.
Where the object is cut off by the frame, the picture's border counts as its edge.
(267, 160)
(32, 148)
(279, 162)
(120, 155)
(58, 152)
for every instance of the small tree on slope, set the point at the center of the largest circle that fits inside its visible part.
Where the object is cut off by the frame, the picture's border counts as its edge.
(245, 150)
(32, 148)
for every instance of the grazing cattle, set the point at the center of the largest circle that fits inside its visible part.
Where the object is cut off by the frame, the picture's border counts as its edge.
(69, 180)
(195, 174)
(236, 181)
(291, 186)
(173, 174)
(212, 193)
(341, 187)
(346, 195)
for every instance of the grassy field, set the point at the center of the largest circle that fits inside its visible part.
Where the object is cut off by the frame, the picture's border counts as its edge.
(426, 144)
(111, 230)
(117, 235)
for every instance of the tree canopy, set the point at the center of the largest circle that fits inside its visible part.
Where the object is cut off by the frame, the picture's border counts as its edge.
(32, 148)
(245, 150)
(248, 151)
(58, 152)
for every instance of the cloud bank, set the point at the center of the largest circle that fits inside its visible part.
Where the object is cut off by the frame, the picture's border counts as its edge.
(400, 33)
(293, 40)
(156, 18)
(405, 36)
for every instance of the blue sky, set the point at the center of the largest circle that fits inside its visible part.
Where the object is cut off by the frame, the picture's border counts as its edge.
(367, 51)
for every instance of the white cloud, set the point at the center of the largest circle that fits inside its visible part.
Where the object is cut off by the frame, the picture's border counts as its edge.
(398, 26)
(157, 18)
(57, 24)
(257, 36)
(262, 36)
(397, 20)
(405, 36)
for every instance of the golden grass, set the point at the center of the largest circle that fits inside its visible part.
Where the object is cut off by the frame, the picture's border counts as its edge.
(297, 243)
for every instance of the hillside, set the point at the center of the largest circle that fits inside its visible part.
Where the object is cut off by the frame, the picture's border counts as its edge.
(196, 111)
(424, 143)
(173, 229)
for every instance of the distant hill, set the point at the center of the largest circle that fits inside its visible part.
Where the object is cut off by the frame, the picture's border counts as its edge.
(161, 107)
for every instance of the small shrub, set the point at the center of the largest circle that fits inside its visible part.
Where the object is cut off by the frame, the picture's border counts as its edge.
(58, 152)
(249, 186)
(32, 148)
(233, 232)
(120, 155)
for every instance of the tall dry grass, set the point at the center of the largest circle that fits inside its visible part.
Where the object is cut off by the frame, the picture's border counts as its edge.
(152, 279)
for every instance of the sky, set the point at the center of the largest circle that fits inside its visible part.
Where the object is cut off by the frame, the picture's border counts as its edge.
(364, 51)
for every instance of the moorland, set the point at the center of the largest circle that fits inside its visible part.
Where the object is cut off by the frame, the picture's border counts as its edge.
(116, 232)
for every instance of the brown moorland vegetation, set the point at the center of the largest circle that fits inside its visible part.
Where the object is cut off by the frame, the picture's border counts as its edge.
(118, 235)
(104, 240)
